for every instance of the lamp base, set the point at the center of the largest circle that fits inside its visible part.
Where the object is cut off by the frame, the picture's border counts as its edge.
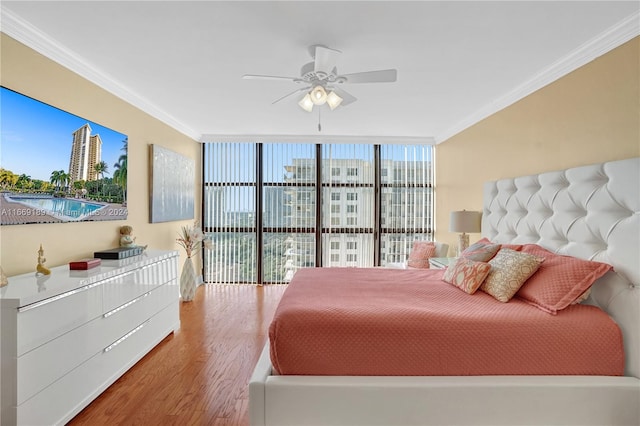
(463, 243)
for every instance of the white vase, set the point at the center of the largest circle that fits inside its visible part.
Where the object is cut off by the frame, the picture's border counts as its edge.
(188, 281)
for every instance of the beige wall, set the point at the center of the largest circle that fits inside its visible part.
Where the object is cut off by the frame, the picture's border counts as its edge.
(30, 73)
(591, 115)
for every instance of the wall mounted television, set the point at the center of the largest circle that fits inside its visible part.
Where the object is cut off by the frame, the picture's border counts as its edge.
(58, 167)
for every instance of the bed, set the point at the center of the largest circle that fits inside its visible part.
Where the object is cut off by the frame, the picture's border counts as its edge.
(590, 212)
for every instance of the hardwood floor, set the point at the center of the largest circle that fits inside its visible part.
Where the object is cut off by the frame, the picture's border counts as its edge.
(198, 375)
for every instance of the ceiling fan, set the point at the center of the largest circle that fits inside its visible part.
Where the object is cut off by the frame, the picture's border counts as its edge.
(321, 80)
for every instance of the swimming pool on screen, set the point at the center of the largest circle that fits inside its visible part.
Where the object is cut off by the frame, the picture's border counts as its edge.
(63, 208)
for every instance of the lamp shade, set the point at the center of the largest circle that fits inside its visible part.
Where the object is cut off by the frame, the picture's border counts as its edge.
(318, 95)
(306, 103)
(464, 221)
(333, 100)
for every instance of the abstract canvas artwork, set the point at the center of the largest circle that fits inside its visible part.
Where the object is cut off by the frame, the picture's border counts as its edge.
(172, 185)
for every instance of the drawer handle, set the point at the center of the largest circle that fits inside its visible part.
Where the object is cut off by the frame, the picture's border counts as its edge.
(121, 307)
(133, 272)
(119, 276)
(125, 337)
(148, 266)
(58, 297)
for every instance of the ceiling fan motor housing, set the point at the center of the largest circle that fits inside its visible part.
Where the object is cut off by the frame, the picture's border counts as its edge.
(309, 75)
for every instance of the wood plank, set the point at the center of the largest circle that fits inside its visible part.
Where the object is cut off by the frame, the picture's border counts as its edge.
(200, 374)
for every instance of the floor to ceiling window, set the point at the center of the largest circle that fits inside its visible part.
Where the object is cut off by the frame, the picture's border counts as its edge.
(273, 208)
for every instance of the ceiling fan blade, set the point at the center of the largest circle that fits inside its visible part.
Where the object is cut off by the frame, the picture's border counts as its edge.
(290, 94)
(325, 59)
(347, 98)
(381, 76)
(268, 77)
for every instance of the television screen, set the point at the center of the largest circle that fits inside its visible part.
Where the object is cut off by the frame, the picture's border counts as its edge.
(58, 167)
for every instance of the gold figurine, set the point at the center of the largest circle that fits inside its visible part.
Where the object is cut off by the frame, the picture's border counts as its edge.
(40, 268)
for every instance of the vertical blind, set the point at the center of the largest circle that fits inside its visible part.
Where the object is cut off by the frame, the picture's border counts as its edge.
(289, 210)
(348, 205)
(271, 209)
(407, 201)
(229, 213)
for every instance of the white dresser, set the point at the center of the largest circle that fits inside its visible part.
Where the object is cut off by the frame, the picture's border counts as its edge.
(68, 336)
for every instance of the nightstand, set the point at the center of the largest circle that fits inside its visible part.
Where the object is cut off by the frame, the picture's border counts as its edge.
(440, 262)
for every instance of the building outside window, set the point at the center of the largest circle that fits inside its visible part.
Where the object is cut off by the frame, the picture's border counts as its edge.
(299, 220)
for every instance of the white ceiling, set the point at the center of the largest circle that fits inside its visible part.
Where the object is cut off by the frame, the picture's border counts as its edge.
(457, 62)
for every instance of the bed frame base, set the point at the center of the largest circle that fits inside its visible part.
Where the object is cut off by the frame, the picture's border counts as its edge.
(475, 400)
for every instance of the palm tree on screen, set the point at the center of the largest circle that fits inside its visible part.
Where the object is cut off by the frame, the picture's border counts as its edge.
(100, 169)
(120, 173)
(65, 178)
(56, 178)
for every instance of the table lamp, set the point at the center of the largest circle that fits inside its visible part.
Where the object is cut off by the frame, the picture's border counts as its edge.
(465, 222)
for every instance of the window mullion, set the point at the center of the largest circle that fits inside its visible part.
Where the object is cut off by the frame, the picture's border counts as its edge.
(258, 220)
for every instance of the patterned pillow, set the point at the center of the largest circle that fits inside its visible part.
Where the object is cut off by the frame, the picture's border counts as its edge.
(420, 254)
(509, 270)
(480, 251)
(466, 274)
(560, 281)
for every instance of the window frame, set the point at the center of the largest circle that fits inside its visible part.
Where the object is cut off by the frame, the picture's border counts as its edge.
(305, 178)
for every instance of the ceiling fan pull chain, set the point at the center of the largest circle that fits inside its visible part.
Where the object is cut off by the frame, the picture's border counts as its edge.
(319, 125)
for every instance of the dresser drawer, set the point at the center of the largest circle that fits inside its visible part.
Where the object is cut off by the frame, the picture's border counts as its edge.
(45, 320)
(119, 321)
(44, 365)
(67, 396)
(123, 288)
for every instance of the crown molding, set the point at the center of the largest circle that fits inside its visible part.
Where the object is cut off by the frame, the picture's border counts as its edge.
(22, 31)
(615, 36)
(319, 139)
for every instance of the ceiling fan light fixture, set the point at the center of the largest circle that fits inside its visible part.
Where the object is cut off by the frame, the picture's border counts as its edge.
(306, 103)
(333, 100)
(318, 95)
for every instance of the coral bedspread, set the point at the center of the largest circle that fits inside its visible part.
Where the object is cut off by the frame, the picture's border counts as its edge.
(376, 321)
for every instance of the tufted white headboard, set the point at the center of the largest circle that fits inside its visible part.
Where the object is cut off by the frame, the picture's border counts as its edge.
(590, 212)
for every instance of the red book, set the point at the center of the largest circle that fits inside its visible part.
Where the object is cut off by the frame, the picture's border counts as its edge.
(83, 264)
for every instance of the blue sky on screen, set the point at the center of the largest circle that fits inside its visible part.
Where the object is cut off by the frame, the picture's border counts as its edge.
(36, 138)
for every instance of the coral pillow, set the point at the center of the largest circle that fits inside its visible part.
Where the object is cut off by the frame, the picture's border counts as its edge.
(480, 251)
(509, 270)
(560, 280)
(466, 274)
(420, 254)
